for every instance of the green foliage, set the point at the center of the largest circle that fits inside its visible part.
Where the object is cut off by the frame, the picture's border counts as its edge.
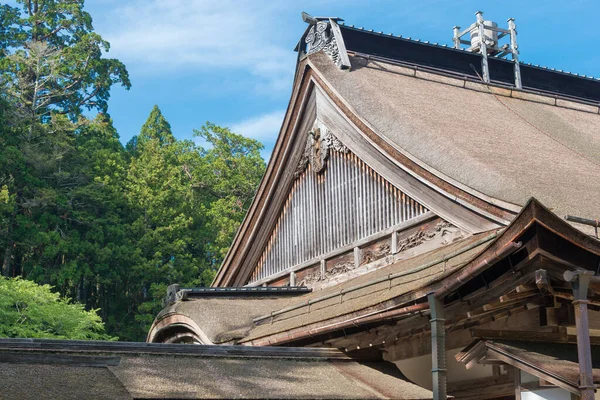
(106, 225)
(231, 170)
(34, 311)
(190, 201)
(53, 60)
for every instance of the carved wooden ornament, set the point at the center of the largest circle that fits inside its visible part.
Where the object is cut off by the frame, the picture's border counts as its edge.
(319, 38)
(316, 151)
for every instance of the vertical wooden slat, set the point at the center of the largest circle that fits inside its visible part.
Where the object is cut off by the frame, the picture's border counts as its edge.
(307, 219)
(344, 203)
(334, 206)
(313, 216)
(321, 213)
(365, 201)
(340, 189)
(380, 205)
(296, 225)
(346, 222)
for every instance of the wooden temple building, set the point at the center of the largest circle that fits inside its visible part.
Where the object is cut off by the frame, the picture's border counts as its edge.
(413, 211)
(408, 239)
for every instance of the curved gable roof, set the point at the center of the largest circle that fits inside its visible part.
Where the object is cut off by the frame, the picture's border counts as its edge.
(504, 147)
(483, 147)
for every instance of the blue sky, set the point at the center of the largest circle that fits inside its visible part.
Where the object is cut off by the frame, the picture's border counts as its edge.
(232, 62)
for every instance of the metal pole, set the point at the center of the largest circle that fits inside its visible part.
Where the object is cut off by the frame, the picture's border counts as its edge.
(438, 347)
(514, 49)
(483, 47)
(580, 281)
(456, 38)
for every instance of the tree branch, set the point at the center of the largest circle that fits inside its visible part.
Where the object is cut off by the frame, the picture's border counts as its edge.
(53, 32)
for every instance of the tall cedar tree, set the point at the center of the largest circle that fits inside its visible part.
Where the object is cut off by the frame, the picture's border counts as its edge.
(190, 201)
(108, 226)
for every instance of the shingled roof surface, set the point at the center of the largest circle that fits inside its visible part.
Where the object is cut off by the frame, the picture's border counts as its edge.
(466, 63)
(34, 369)
(494, 143)
(225, 319)
(418, 272)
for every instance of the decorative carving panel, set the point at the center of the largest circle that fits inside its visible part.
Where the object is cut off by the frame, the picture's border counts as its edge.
(319, 38)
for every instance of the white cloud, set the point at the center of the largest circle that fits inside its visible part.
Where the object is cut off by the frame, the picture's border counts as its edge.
(195, 35)
(264, 128)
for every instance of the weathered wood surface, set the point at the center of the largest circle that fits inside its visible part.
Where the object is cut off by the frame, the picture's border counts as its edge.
(345, 203)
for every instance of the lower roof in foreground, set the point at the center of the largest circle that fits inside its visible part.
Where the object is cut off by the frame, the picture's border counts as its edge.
(61, 369)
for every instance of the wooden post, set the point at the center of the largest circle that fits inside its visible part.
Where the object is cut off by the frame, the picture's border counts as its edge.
(394, 244)
(438, 347)
(357, 257)
(517, 380)
(580, 281)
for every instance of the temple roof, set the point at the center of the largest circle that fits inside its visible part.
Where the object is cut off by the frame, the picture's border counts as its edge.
(465, 63)
(502, 143)
(451, 271)
(419, 114)
(64, 369)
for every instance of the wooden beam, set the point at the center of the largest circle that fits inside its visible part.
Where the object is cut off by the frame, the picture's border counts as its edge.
(497, 288)
(557, 336)
(533, 371)
(526, 287)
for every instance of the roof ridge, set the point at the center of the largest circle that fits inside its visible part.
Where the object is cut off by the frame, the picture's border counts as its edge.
(445, 46)
(224, 351)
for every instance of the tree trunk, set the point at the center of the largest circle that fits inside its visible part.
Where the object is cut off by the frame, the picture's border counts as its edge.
(6, 263)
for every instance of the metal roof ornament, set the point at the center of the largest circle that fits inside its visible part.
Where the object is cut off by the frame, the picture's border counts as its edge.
(484, 39)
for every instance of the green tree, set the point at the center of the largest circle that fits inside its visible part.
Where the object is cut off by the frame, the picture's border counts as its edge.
(190, 201)
(28, 310)
(168, 224)
(106, 225)
(52, 68)
(230, 173)
(57, 64)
